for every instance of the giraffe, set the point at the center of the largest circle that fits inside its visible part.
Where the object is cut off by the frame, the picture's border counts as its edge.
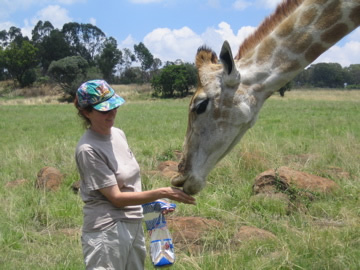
(230, 93)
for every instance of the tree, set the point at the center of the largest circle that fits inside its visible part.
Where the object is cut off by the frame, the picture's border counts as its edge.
(131, 75)
(109, 58)
(128, 58)
(40, 31)
(69, 73)
(174, 80)
(52, 48)
(156, 65)
(20, 62)
(85, 40)
(353, 74)
(2, 67)
(3, 39)
(14, 35)
(327, 75)
(145, 57)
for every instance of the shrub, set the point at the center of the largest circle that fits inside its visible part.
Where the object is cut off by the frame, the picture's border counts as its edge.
(174, 80)
(69, 73)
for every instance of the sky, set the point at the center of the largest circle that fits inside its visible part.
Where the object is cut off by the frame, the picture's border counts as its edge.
(170, 29)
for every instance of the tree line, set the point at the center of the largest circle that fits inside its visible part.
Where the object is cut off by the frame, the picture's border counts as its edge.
(79, 52)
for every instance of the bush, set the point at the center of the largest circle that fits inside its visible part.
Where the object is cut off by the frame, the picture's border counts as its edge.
(174, 80)
(28, 78)
(353, 86)
(69, 73)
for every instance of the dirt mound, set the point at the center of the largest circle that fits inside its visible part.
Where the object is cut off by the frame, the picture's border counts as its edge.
(187, 232)
(15, 183)
(281, 179)
(247, 233)
(49, 178)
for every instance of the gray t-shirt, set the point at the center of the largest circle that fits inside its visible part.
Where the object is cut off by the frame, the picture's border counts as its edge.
(103, 161)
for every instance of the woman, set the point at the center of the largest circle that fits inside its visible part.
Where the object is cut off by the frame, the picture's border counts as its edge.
(112, 234)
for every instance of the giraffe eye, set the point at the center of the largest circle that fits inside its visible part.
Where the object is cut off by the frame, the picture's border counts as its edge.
(201, 107)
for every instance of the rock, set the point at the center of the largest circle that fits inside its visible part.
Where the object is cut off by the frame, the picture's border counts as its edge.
(284, 177)
(247, 233)
(49, 178)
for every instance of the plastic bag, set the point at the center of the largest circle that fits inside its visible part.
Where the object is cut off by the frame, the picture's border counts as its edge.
(161, 245)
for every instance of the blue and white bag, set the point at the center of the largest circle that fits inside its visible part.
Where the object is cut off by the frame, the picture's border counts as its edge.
(161, 245)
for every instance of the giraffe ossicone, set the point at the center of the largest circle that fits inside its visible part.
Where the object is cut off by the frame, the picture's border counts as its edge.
(231, 93)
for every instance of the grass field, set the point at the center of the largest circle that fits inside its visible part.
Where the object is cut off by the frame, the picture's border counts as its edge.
(40, 230)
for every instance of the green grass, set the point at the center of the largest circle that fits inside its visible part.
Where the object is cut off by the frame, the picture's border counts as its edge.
(40, 230)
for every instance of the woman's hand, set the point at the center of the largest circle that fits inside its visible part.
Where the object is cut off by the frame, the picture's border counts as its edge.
(178, 195)
(167, 211)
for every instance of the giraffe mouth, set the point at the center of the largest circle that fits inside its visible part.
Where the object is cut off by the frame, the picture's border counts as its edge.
(178, 180)
(191, 185)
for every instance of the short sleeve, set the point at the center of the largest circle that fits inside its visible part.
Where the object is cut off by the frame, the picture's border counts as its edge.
(93, 170)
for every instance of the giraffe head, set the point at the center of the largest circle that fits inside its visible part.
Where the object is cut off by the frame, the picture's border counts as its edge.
(229, 95)
(219, 115)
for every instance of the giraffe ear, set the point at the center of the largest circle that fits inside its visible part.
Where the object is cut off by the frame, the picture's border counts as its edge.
(231, 75)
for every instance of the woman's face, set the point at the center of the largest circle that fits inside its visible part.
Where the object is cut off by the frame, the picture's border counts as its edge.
(101, 122)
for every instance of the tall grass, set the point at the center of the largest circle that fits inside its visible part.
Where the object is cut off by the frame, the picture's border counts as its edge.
(310, 131)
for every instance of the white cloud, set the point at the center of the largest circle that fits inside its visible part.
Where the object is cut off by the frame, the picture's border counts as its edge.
(214, 3)
(270, 4)
(241, 4)
(70, 2)
(145, 1)
(344, 55)
(92, 21)
(128, 42)
(171, 44)
(55, 14)
(6, 25)
(355, 35)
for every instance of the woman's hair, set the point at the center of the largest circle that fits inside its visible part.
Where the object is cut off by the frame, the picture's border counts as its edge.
(86, 121)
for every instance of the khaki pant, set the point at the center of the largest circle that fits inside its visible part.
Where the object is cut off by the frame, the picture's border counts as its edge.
(121, 247)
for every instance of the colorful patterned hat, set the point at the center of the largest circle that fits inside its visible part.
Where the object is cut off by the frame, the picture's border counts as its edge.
(99, 95)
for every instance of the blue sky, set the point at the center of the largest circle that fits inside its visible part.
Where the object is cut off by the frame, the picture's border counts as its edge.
(170, 29)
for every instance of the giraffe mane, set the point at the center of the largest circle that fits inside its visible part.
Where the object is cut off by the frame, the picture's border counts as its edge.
(267, 26)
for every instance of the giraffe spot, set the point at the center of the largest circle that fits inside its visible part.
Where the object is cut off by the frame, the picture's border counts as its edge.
(314, 51)
(284, 63)
(298, 42)
(354, 15)
(307, 17)
(261, 76)
(227, 102)
(318, 2)
(285, 28)
(264, 53)
(330, 16)
(225, 114)
(216, 114)
(335, 33)
(252, 100)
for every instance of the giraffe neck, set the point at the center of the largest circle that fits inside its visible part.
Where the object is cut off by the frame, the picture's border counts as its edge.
(292, 42)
